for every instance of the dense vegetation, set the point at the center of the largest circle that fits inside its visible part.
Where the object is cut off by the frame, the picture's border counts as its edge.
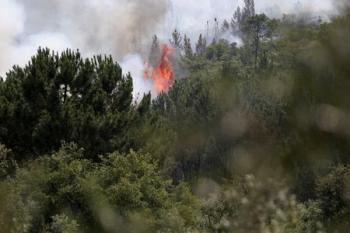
(251, 138)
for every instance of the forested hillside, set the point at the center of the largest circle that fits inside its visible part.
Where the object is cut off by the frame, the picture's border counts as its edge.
(251, 137)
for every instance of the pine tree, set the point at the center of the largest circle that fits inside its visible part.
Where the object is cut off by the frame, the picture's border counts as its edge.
(176, 40)
(188, 47)
(238, 15)
(201, 45)
(155, 52)
(256, 29)
(63, 97)
(249, 9)
(241, 15)
(225, 26)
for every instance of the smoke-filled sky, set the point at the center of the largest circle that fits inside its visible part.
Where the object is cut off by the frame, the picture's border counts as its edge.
(122, 28)
(189, 15)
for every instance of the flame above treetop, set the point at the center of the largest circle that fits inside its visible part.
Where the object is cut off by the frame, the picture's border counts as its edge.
(163, 74)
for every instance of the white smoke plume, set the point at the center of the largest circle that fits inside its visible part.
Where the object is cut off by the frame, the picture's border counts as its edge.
(103, 26)
(134, 64)
(11, 25)
(117, 27)
(191, 16)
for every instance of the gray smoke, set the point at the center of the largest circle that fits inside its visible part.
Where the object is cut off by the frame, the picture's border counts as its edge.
(122, 28)
(104, 26)
(115, 27)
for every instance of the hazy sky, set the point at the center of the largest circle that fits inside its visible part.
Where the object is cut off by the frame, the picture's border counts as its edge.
(192, 17)
(122, 28)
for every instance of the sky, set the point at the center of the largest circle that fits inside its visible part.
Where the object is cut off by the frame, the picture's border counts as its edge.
(191, 17)
(122, 28)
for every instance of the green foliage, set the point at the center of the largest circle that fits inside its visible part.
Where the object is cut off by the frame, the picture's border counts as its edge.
(44, 194)
(66, 98)
(275, 107)
(331, 192)
(201, 45)
(132, 182)
(249, 205)
(8, 164)
(62, 224)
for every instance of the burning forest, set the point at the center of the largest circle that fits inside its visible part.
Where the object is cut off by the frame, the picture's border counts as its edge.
(174, 116)
(162, 75)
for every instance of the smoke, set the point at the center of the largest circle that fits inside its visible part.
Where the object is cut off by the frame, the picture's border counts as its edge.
(134, 64)
(276, 8)
(191, 17)
(104, 26)
(115, 27)
(122, 28)
(11, 18)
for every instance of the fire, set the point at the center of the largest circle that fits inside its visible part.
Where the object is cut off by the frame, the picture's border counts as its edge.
(163, 74)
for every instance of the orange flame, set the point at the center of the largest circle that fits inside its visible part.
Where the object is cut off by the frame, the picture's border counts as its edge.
(163, 74)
